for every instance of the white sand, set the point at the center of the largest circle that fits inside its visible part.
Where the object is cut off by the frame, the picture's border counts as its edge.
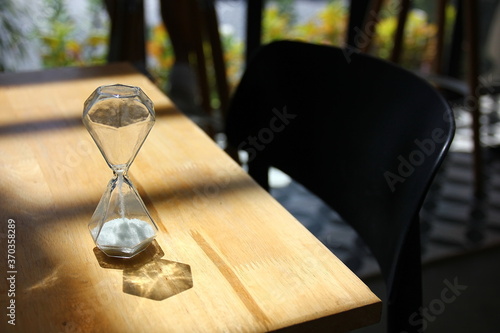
(124, 232)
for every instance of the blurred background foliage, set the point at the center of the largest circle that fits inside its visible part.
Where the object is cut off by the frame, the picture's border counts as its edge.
(46, 28)
(12, 33)
(61, 43)
(328, 26)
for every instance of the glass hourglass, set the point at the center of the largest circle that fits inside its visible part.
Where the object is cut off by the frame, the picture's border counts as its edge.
(119, 118)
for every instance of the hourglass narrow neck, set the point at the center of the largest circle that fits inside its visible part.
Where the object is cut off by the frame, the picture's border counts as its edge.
(120, 170)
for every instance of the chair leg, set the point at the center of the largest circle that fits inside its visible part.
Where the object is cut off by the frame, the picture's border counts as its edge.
(405, 287)
(371, 19)
(201, 65)
(397, 49)
(254, 27)
(127, 38)
(441, 25)
(471, 24)
(358, 19)
(218, 58)
(185, 23)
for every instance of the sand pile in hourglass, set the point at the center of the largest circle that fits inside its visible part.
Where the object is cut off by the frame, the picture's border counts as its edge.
(119, 118)
(122, 231)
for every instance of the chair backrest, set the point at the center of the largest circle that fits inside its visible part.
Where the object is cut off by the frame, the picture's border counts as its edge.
(364, 135)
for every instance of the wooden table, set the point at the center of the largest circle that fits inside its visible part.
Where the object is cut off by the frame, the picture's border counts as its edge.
(228, 257)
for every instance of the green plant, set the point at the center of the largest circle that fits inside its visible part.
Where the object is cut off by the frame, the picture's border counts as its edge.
(275, 24)
(233, 51)
(328, 27)
(61, 44)
(161, 54)
(418, 42)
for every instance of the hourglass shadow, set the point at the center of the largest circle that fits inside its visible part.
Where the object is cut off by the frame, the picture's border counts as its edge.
(147, 275)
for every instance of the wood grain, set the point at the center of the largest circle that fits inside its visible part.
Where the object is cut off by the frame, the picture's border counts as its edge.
(254, 267)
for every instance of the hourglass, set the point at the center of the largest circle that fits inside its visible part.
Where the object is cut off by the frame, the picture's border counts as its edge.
(119, 118)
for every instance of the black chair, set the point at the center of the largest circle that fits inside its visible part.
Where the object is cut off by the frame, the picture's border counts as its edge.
(362, 134)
